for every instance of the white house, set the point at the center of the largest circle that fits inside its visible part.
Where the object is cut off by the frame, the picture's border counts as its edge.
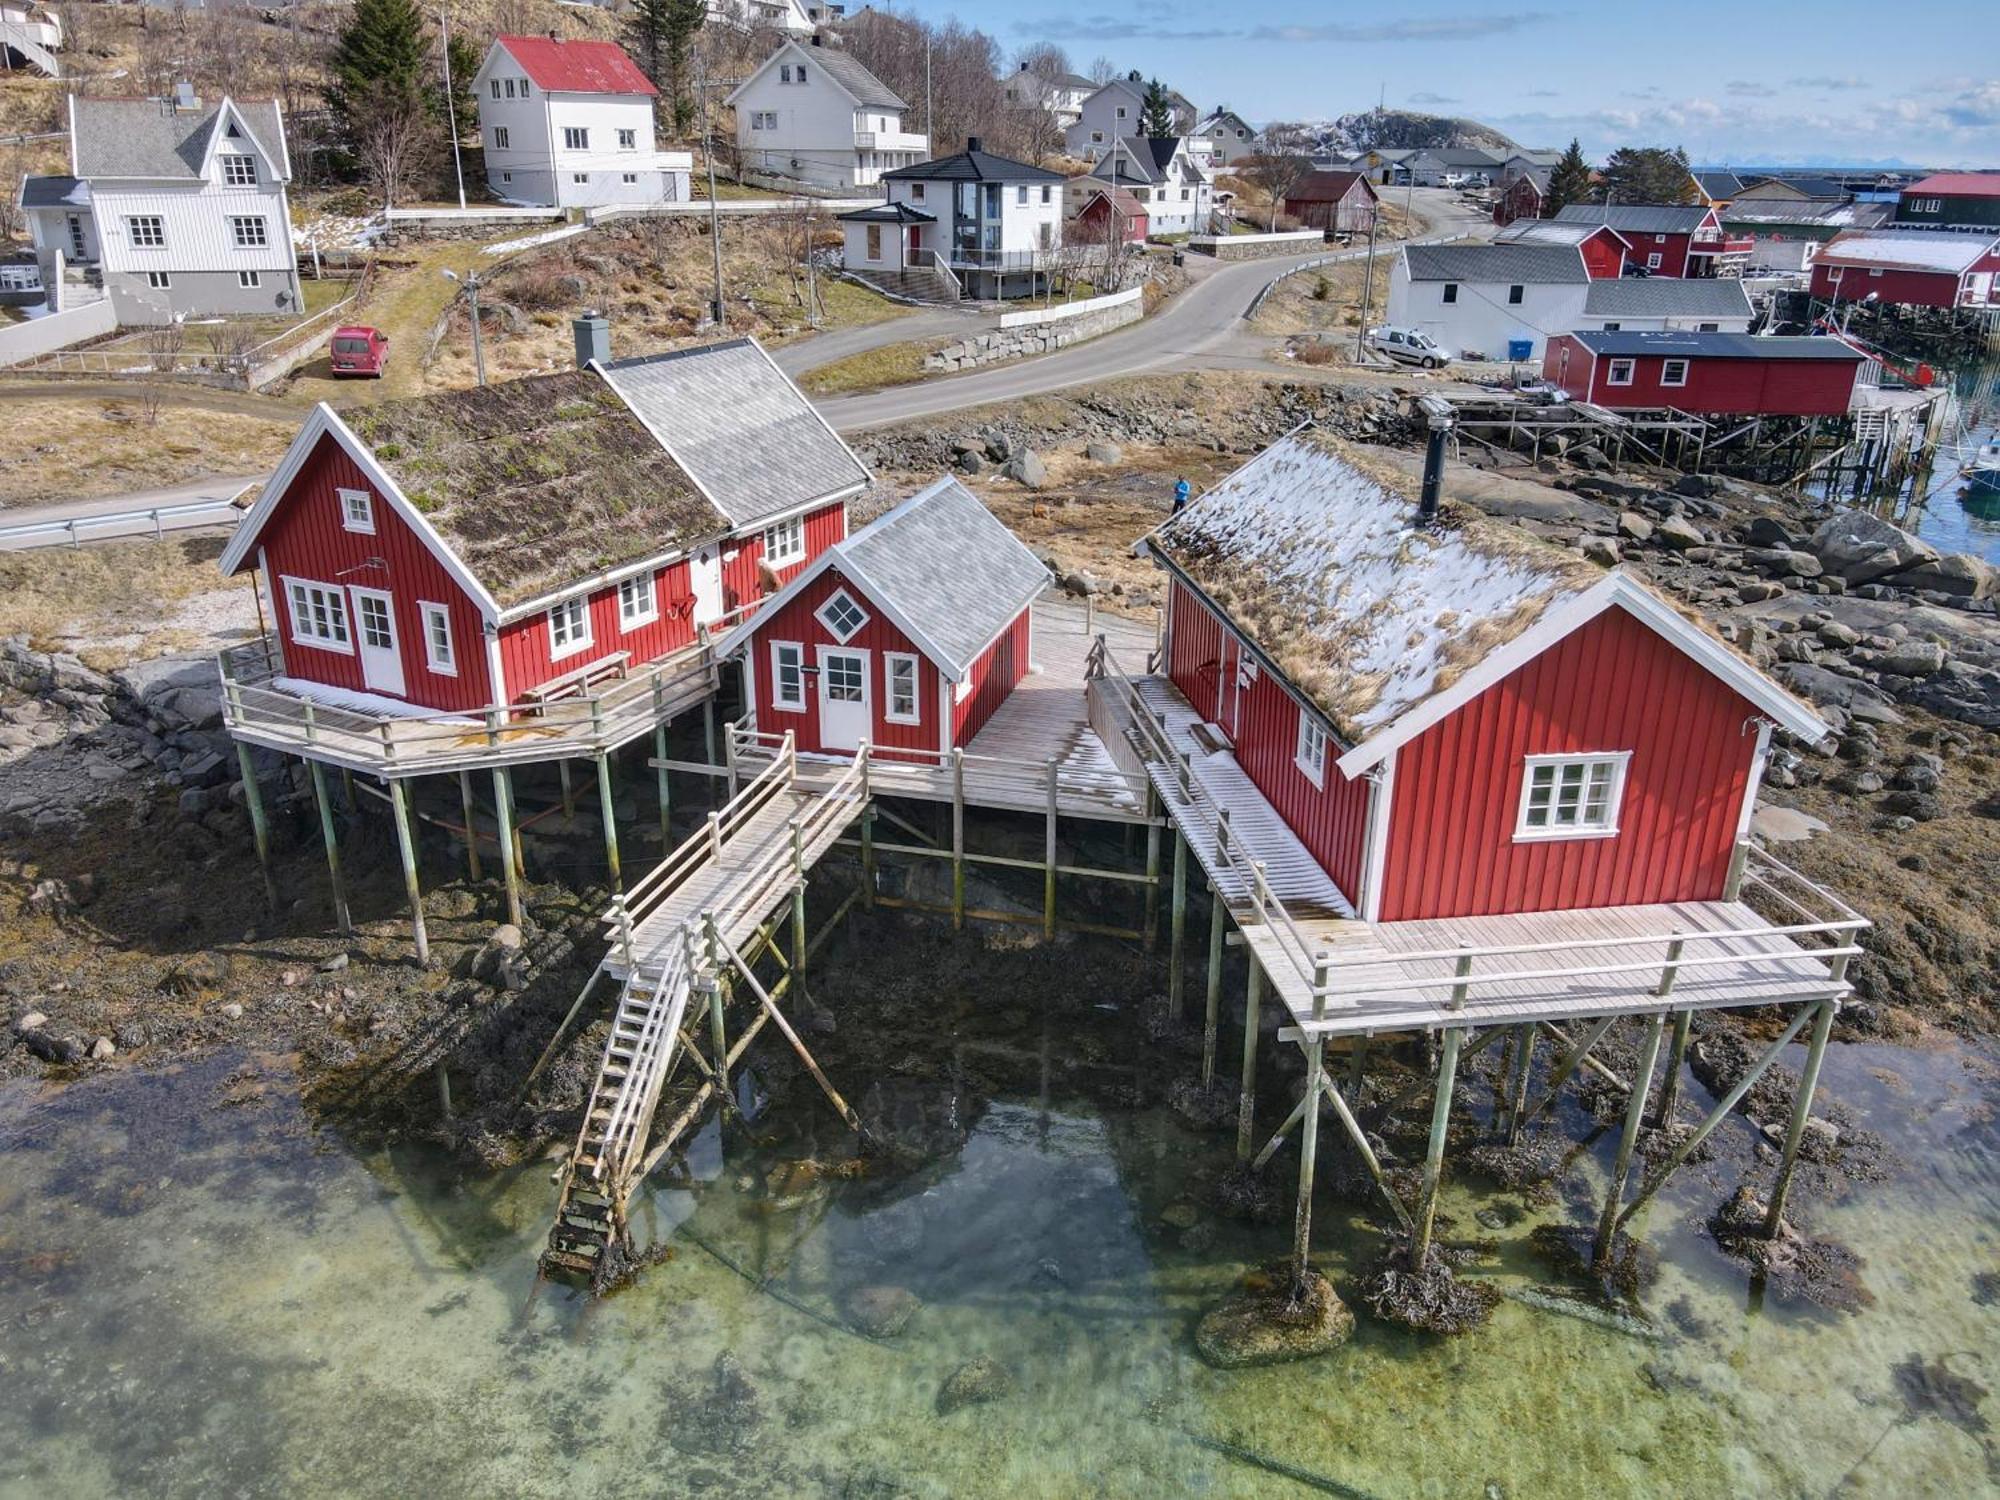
(1706, 304)
(1489, 301)
(994, 222)
(30, 38)
(174, 207)
(1230, 137)
(1115, 111)
(777, 15)
(815, 114)
(1167, 175)
(1062, 96)
(570, 125)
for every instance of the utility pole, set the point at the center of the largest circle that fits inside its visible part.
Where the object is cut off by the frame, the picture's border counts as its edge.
(451, 121)
(714, 214)
(930, 126)
(470, 281)
(1368, 277)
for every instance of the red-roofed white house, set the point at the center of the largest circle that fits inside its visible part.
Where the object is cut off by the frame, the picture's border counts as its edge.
(570, 125)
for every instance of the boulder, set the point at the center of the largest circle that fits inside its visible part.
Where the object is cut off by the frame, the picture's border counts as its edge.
(1911, 659)
(1782, 562)
(1601, 550)
(973, 1383)
(1102, 453)
(53, 1046)
(1958, 574)
(971, 463)
(882, 1312)
(1762, 531)
(1027, 468)
(1680, 534)
(1861, 547)
(1264, 1324)
(1634, 525)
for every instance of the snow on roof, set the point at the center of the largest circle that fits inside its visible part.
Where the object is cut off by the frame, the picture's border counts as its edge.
(577, 67)
(1912, 249)
(1318, 559)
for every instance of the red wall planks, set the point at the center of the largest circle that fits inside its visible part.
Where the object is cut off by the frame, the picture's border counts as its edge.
(1743, 387)
(1833, 283)
(306, 540)
(1612, 685)
(740, 555)
(993, 675)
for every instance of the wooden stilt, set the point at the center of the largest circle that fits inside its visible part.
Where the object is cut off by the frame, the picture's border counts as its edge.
(326, 833)
(260, 831)
(718, 1038)
(1670, 1085)
(791, 1036)
(868, 856)
(957, 838)
(666, 797)
(1308, 1160)
(444, 1089)
(1517, 1094)
(510, 867)
(1152, 923)
(399, 802)
(799, 944)
(1802, 1101)
(1211, 1021)
(1447, 1078)
(471, 826)
(568, 792)
(1635, 1111)
(1177, 934)
(1569, 1062)
(1357, 1066)
(708, 728)
(1246, 1106)
(606, 806)
(347, 788)
(1049, 856)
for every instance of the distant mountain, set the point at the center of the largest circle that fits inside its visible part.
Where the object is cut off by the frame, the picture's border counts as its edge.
(1404, 129)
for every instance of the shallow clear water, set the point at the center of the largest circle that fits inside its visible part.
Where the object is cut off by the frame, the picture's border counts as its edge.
(1949, 515)
(200, 1293)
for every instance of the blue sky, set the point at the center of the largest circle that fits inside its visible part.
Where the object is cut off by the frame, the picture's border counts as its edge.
(1751, 82)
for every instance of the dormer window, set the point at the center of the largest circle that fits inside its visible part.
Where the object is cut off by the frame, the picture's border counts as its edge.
(239, 171)
(842, 616)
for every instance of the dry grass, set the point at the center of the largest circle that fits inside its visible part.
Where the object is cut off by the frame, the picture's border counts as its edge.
(69, 450)
(117, 602)
(1327, 300)
(872, 369)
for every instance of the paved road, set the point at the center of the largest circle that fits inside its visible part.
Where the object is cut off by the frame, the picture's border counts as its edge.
(203, 502)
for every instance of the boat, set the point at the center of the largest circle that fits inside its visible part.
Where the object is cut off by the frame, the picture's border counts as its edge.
(1982, 474)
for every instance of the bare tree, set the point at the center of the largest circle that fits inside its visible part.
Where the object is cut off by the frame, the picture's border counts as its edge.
(1102, 70)
(1280, 166)
(393, 140)
(1044, 60)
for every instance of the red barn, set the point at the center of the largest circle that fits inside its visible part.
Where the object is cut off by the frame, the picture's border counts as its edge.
(1342, 202)
(1520, 199)
(1667, 239)
(1720, 374)
(1110, 215)
(479, 548)
(1911, 267)
(908, 634)
(1457, 719)
(1604, 250)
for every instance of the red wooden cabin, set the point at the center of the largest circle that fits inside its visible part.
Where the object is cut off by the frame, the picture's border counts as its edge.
(1459, 720)
(1109, 216)
(1724, 374)
(1341, 202)
(1604, 250)
(468, 550)
(1912, 267)
(1667, 239)
(908, 634)
(1520, 199)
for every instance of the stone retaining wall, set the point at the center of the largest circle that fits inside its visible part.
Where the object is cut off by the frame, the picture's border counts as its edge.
(1255, 246)
(1002, 344)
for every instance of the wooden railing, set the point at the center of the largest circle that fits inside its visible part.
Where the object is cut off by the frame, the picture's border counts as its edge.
(646, 1071)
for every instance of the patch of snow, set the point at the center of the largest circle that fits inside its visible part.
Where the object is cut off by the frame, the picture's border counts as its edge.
(528, 242)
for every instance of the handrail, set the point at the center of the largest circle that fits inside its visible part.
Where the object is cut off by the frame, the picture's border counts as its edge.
(1029, 774)
(71, 529)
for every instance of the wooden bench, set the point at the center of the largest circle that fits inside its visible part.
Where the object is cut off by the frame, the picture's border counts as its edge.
(578, 680)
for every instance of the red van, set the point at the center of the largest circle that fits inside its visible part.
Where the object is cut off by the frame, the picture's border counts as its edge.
(359, 350)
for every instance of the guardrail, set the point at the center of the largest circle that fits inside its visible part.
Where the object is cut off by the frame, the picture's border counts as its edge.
(154, 519)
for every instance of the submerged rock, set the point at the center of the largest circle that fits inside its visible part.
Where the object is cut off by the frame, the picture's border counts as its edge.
(882, 1312)
(974, 1383)
(1429, 1298)
(1794, 1267)
(1271, 1322)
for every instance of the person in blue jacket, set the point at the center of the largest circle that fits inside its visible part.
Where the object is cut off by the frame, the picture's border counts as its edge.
(1181, 493)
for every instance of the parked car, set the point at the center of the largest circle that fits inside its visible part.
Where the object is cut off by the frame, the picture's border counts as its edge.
(360, 350)
(1412, 346)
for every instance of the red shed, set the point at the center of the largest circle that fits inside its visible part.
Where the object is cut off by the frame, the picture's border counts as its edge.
(1604, 249)
(1722, 374)
(464, 551)
(908, 634)
(1108, 213)
(1910, 267)
(1459, 719)
(1520, 199)
(1667, 239)
(1343, 202)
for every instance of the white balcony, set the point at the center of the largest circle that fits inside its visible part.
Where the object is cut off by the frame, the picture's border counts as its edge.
(891, 140)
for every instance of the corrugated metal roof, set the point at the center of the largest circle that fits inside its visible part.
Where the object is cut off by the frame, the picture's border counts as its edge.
(577, 67)
(1667, 297)
(1550, 232)
(1639, 218)
(738, 425)
(945, 564)
(1956, 185)
(1496, 263)
(151, 138)
(1719, 184)
(1716, 345)
(1910, 249)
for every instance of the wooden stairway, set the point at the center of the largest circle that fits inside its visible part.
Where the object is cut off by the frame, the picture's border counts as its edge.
(638, 1058)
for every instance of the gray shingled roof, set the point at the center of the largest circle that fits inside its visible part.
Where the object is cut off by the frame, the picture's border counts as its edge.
(1487, 263)
(1717, 345)
(740, 428)
(1667, 297)
(1639, 218)
(54, 192)
(945, 564)
(150, 138)
(847, 71)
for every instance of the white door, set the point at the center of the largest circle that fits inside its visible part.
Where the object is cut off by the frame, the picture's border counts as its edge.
(705, 577)
(843, 698)
(375, 639)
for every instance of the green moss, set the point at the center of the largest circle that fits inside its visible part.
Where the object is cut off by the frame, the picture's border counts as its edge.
(389, 452)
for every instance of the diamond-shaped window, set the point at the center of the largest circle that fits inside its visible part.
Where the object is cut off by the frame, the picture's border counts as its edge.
(842, 616)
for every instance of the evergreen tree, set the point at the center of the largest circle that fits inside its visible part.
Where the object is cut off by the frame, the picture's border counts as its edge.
(1156, 111)
(660, 36)
(1569, 181)
(465, 60)
(382, 59)
(1648, 174)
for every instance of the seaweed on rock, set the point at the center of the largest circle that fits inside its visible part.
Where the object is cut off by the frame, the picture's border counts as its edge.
(1430, 1298)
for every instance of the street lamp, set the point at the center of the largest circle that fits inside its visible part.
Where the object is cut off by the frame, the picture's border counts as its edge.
(470, 281)
(451, 111)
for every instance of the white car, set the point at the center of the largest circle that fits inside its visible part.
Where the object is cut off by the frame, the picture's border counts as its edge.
(1410, 346)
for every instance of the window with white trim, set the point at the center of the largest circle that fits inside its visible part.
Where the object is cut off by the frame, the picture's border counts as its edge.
(763, 119)
(1620, 372)
(357, 510)
(249, 281)
(249, 231)
(628, 140)
(159, 281)
(494, 84)
(1310, 754)
(146, 231)
(638, 603)
(319, 615)
(1653, 261)
(785, 541)
(576, 138)
(1674, 372)
(438, 655)
(500, 137)
(1571, 796)
(629, 178)
(239, 171)
(378, 629)
(569, 627)
(899, 673)
(579, 177)
(788, 676)
(842, 616)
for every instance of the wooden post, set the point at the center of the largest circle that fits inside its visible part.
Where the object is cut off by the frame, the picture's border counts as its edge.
(260, 831)
(729, 757)
(868, 856)
(1177, 929)
(1308, 1160)
(957, 838)
(1357, 1064)
(1049, 858)
(1246, 1107)
(1670, 1085)
(1212, 1011)
(1635, 1111)
(708, 728)
(1447, 1078)
(399, 802)
(718, 1038)
(444, 1089)
(606, 807)
(799, 943)
(510, 862)
(1802, 1100)
(1671, 970)
(340, 910)
(666, 800)
(1517, 1094)
(1152, 925)
(568, 792)
(471, 830)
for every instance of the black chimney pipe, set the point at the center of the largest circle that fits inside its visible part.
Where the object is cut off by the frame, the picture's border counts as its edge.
(1439, 414)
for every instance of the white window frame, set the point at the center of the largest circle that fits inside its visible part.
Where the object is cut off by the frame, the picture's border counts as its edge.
(331, 606)
(250, 231)
(1653, 261)
(153, 234)
(796, 703)
(494, 84)
(1613, 762)
(629, 177)
(1629, 366)
(574, 636)
(249, 281)
(160, 281)
(579, 177)
(638, 601)
(357, 511)
(763, 119)
(239, 171)
(1309, 751)
(500, 138)
(824, 615)
(576, 137)
(440, 655)
(785, 541)
(1667, 367)
(891, 662)
(628, 140)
